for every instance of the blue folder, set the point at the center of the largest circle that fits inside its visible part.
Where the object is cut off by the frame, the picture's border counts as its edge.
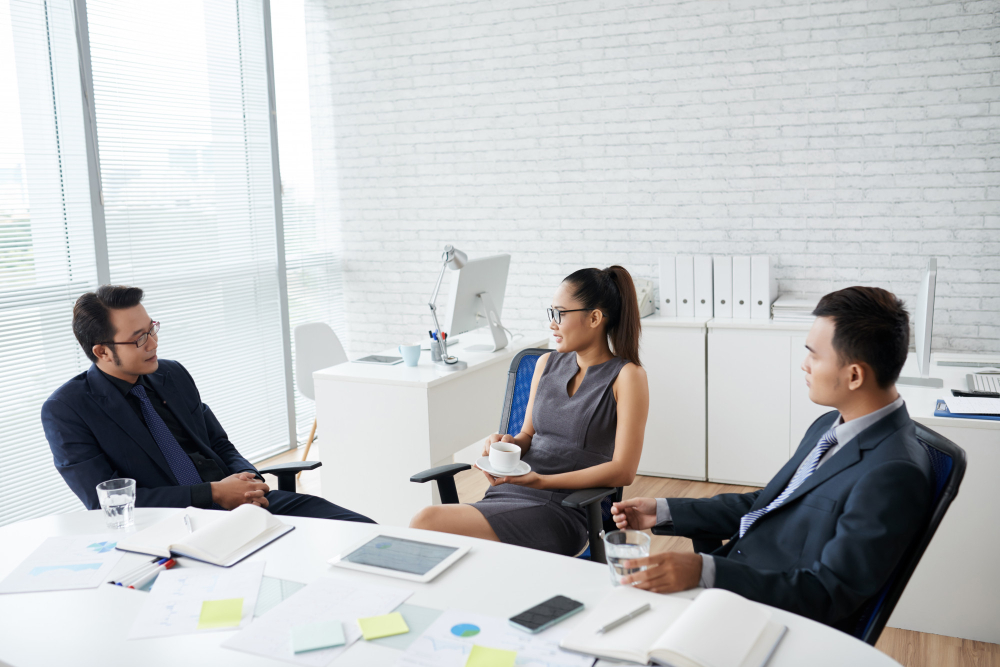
(942, 411)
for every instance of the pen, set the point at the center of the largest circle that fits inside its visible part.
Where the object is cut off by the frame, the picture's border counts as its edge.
(187, 522)
(141, 570)
(624, 619)
(430, 334)
(139, 583)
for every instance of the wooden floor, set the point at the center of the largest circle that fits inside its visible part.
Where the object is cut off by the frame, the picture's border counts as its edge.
(911, 649)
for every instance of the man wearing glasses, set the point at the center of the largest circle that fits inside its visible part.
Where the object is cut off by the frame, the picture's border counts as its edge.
(136, 416)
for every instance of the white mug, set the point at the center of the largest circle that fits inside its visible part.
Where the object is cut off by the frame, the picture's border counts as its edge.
(504, 456)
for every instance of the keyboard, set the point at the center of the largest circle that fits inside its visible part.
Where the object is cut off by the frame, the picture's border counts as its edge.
(987, 382)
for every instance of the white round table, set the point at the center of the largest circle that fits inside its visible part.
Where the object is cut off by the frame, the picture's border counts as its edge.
(89, 627)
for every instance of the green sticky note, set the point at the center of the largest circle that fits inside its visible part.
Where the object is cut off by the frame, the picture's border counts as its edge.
(217, 614)
(314, 636)
(482, 656)
(375, 627)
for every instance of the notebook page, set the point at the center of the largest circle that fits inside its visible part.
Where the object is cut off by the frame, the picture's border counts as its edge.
(226, 535)
(717, 630)
(157, 538)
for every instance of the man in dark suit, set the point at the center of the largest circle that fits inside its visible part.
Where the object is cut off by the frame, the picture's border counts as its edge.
(134, 415)
(823, 537)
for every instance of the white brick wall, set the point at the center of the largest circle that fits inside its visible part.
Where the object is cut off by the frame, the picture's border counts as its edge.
(851, 140)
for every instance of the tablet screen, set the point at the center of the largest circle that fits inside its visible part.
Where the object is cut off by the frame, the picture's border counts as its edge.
(394, 553)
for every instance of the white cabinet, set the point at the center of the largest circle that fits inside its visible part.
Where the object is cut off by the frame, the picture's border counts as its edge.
(672, 351)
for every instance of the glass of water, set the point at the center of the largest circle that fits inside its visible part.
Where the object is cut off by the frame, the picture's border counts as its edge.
(620, 545)
(117, 498)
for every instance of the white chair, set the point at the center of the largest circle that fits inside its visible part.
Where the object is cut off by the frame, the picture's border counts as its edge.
(316, 347)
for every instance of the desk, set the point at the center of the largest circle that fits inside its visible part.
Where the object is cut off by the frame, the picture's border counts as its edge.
(394, 421)
(83, 628)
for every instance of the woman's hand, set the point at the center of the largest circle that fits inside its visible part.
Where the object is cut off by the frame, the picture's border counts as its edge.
(496, 437)
(532, 480)
(635, 513)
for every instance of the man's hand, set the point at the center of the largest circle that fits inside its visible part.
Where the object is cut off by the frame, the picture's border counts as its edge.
(636, 513)
(239, 489)
(665, 572)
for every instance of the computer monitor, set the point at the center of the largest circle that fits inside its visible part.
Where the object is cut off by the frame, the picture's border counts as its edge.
(476, 298)
(923, 324)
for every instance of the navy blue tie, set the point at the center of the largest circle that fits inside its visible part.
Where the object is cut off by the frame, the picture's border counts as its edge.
(178, 460)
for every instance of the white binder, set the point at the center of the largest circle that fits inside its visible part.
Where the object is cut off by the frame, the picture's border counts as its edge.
(741, 287)
(763, 287)
(685, 286)
(703, 299)
(723, 286)
(668, 286)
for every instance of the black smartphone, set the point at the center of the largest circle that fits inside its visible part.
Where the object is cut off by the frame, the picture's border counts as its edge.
(546, 614)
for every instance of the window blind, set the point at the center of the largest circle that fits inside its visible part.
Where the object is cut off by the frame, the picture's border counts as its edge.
(312, 229)
(180, 91)
(46, 243)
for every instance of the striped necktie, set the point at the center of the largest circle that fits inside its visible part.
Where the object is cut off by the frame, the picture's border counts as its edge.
(178, 460)
(801, 475)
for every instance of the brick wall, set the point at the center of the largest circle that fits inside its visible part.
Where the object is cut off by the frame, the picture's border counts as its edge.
(851, 140)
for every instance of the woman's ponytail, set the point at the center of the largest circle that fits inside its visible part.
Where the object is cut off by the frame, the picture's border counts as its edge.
(612, 292)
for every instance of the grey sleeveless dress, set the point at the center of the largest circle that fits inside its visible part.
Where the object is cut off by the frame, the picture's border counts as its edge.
(571, 433)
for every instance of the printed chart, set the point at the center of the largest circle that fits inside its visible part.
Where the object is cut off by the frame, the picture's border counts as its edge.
(64, 563)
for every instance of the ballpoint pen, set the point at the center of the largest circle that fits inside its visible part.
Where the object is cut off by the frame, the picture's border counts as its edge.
(187, 522)
(624, 619)
(139, 571)
(145, 579)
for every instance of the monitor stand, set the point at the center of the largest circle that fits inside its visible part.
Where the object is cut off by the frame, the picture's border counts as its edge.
(934, 383)
(493, 318)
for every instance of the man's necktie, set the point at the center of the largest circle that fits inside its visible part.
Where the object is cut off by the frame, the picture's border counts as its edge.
(178, 460)
(825, 443)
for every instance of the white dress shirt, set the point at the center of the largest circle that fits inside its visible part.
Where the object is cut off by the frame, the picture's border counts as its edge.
(846, 431)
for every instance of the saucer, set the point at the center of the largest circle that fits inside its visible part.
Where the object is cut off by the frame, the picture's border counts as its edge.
(484, 464)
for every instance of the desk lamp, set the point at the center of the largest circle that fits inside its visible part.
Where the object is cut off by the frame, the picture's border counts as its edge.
(450, 259)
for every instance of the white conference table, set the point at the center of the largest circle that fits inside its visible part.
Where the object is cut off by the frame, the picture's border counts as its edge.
(392, 422)
(89, 627)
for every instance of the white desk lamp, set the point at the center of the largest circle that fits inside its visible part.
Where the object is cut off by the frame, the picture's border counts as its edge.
(450, 259)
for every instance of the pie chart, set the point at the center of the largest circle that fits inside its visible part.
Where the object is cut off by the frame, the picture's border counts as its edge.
(465, 630)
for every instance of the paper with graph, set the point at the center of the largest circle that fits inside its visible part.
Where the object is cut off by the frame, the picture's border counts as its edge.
(188, 600)
(64, 563)
(449, 641)
(327, 598)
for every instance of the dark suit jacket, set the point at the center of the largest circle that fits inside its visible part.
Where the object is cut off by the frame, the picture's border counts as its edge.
(835, 541)
(95, 435)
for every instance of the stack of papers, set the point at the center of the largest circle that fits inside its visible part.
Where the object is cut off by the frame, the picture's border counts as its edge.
(968, 407)
(794, 307)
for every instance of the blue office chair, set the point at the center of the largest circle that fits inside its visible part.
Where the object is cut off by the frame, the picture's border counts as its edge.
(948, 466)
(597, 502)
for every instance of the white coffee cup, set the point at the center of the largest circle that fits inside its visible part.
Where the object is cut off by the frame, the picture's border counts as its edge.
(504, 456)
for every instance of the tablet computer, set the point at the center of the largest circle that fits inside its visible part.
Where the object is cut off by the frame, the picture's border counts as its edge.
(405, 558)
(379, 359)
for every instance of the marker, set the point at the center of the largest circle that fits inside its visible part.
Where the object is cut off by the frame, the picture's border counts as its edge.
(139, 583)
(139, 571)
(624, 619)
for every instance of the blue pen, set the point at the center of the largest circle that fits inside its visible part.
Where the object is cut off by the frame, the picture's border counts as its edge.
(435, 335)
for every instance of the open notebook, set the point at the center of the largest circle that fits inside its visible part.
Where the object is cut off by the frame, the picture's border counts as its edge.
(219, 538)
(717, 629)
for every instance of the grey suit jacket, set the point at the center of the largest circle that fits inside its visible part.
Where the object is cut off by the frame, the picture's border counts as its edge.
(835, 541)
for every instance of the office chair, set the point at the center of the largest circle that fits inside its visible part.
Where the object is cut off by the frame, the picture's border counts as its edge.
(597, 502)
(316, 347)
(948, 466)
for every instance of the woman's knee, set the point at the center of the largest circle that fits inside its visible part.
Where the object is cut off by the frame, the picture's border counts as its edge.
(429, 518)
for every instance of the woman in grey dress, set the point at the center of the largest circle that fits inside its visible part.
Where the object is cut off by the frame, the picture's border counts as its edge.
(583, 427)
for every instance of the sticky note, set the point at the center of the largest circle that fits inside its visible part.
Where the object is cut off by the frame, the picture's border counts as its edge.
(375, 627)
(220, 614)
(482, 656)
(314, 636)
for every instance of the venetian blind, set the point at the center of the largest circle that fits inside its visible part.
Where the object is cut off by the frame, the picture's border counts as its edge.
(46, 243)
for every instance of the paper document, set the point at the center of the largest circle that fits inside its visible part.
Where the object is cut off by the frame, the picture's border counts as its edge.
(972, 405)
(450, 640)
(187, 600)
(65, 563)
(327, 598)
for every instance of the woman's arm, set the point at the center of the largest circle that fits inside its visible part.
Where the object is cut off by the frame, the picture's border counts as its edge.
(632, 394)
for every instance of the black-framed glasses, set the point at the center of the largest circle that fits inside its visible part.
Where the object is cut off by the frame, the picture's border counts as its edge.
(556, 315)
(141, 340)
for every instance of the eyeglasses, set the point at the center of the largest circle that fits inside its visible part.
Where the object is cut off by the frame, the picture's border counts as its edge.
(556, 315)
(141, 340)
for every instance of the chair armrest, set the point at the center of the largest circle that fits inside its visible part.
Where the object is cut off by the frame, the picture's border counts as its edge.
(665, 529)
(585, 497)
(440, 472)
(295, 467)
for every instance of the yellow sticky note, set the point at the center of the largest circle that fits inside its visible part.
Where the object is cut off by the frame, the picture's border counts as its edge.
(376, 627)
(217, 614)
(482, 656)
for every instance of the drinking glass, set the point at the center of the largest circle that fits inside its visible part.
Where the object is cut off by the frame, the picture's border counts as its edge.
(117, 498)
(621, 545)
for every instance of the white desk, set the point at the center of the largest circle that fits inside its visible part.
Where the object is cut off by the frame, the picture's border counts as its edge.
(390, 422)
(83, 628)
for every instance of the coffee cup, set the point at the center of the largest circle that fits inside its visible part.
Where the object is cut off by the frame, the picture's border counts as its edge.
(410, 354)
(504, 456)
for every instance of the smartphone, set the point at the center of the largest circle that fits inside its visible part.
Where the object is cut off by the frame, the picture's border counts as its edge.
(546, 614)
